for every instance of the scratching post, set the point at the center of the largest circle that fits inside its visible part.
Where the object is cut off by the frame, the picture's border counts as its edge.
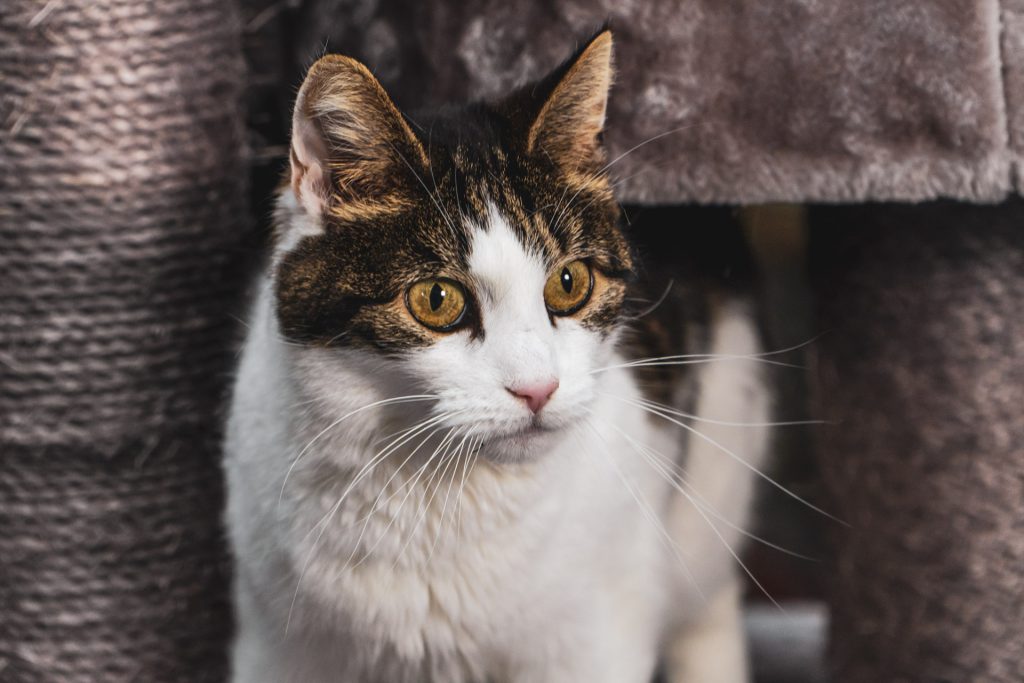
(122, 206)
(921, 370)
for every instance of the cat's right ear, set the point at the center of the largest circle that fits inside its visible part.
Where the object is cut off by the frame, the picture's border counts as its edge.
(350, 144)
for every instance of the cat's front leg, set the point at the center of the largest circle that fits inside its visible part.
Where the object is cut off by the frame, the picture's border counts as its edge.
(711, 649)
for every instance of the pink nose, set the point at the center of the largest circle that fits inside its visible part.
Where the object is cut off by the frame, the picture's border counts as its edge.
(536, 395)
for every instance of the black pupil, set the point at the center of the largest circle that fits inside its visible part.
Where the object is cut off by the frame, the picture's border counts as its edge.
(566, 280)
(437, 295)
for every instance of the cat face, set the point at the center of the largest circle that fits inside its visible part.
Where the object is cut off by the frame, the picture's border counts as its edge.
(476, 253)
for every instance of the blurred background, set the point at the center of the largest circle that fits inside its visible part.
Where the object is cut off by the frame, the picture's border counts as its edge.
(858, 162)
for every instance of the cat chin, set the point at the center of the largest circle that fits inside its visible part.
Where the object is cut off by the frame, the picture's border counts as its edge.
(522, 446)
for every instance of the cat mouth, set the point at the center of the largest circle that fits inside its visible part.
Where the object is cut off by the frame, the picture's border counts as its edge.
(534, 429)
(521, 444)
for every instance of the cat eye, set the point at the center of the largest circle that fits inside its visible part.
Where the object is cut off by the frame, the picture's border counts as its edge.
(568, 288)
(437, 303)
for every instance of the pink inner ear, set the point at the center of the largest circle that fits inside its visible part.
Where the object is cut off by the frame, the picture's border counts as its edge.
(309, 180)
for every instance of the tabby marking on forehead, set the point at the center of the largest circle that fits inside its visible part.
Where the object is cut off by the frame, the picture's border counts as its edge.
(502, 266)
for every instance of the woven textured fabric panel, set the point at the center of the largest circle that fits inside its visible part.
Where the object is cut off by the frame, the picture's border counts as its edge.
(122, 214)
(113, 571)
(921, 373)
(121, 208)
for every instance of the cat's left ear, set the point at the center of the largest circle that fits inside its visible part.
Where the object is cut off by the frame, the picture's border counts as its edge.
(568, 126)
(350, 144)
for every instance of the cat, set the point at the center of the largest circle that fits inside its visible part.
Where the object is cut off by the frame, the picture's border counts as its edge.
(442, 464)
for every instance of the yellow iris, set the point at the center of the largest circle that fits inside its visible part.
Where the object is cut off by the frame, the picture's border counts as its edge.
(568, 288)
(437, 303)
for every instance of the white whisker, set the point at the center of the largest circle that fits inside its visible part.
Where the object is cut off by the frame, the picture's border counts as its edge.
(660, 470)
(646, 511)
(404, 437)
(708, 357)
(409, 484)
(648, 141)
(365, 519)
(363, 472)
(692, 359)
(474, 453)
(456, 458)
(653, 307)
(725, 543)
(426, 502)
(369, 515)
(722, 423)
(444, 214)
(383, 402)
(558, 204)
(738, 459)
(673, 473)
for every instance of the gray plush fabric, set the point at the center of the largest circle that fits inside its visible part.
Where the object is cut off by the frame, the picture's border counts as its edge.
(1013, 75)
(122, 209)
(795, 100)
(921, 371)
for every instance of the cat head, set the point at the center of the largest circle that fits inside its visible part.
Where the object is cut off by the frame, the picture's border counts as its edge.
(473, 254)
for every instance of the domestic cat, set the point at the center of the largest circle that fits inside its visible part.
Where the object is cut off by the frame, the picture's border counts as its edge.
(446, 460)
